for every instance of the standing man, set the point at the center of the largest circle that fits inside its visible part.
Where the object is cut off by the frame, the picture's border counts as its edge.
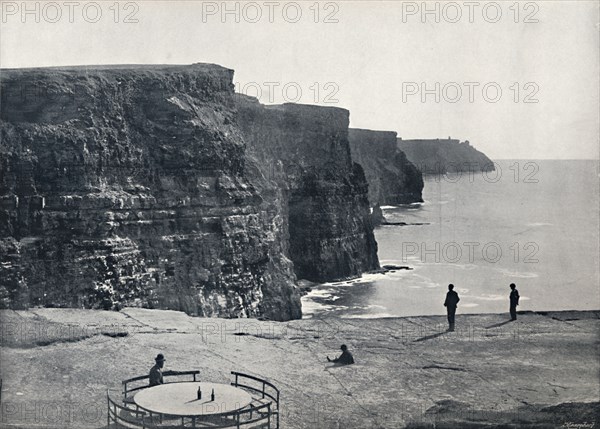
(156, 375)
(514, 301)
(451, 303)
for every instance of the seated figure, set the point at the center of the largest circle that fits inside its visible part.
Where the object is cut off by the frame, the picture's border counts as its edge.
(156, 375)
(345, 358)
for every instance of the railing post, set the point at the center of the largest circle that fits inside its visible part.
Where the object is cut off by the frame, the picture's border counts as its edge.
(277, 409)
(269, 414)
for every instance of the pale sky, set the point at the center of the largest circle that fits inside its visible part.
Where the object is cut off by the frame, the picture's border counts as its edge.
(374, 61)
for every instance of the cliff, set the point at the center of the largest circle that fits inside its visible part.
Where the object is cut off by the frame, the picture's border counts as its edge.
(128, 185)
(303, 153)
(392, 178)
(439, 156)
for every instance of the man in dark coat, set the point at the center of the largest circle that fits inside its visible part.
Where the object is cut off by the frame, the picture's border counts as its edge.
(156, 372)
(514, 301)
(345, 358)
(451, 303)
(156, 375)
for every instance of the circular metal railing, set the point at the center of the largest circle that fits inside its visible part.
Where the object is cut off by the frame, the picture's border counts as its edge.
(262, 412)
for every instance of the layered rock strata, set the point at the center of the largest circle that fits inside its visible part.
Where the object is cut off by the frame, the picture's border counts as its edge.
(157, 186)
(128, 184)
(304, 153)
(392, 178)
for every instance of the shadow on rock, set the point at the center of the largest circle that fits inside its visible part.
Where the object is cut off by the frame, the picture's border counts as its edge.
(449, 414)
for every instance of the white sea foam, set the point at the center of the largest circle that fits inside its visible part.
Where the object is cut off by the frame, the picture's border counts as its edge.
(368, 316)
(519, 275)
(464, 267)
(365, 278)
(310, 306)
(566, 234)
(491, 297)
(320, 293)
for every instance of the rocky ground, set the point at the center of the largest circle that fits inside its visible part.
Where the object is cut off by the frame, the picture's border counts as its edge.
(541, 371)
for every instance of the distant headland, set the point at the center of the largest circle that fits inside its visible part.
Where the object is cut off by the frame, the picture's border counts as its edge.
(440, 156)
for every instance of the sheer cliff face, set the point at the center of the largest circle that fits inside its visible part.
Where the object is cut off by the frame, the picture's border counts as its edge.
(392, 178)
(303, 152)
(439, 156)
(126, 185)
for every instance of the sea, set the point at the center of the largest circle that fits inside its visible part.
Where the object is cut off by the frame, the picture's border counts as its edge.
(534, 223)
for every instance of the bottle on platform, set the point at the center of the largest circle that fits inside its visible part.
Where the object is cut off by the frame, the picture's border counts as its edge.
(199, 393)
(212, 395)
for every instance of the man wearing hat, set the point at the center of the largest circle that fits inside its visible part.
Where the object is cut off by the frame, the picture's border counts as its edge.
(156, 375)
(345, 358)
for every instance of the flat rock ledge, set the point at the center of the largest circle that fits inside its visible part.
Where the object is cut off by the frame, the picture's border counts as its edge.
(540, 371)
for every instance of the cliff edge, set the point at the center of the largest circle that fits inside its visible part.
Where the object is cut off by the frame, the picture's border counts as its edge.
(392, 178)
(439, 156)
(128, 185)
(538, 372)
(302, 153)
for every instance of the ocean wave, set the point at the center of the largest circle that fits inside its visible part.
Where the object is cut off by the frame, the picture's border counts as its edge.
(310, 307)
(368, 316)
(376, 306)
(464, 267)
(491, 297)
(320, 293)
(509, 273)
(404, 206)
(365, 278)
